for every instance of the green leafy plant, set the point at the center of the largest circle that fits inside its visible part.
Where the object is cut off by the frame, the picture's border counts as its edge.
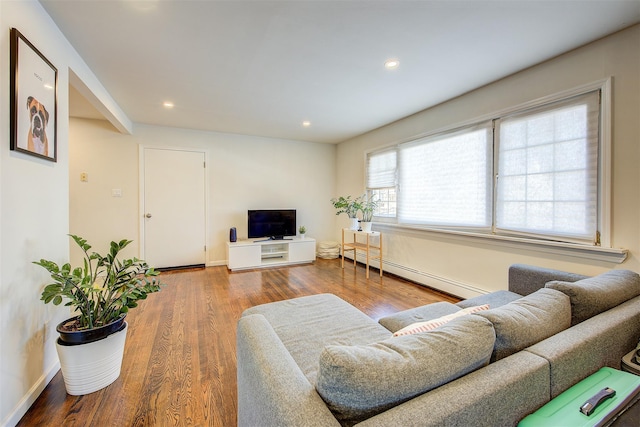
(104, 288)
(368, 206)
(302, 229)
(347, 205)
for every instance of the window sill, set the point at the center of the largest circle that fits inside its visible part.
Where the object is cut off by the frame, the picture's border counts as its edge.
(597, 253)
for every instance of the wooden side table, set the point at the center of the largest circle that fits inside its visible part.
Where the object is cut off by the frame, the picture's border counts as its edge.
(372, 250)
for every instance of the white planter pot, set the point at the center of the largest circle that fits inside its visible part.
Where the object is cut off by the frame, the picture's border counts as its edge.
(354, 224)
(366, 226)
(90, 367)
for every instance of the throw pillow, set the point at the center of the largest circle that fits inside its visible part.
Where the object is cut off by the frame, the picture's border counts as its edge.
(360, 381)
(528, 320)
(600, 293)
(414, 328)
(423, 313)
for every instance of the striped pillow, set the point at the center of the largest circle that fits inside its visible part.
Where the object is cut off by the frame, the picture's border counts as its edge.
(414, 328)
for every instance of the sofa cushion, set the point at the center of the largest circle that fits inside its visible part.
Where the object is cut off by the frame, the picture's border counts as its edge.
(494, 299)
(600, 293)
(424, 313)
(430, 325)
(360, 381)
(526, 279)
(528, 320)
(305, 325)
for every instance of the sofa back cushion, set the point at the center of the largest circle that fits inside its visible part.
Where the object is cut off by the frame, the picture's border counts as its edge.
(600, 293)
(360, 381)
(528, 320)
(526, 279)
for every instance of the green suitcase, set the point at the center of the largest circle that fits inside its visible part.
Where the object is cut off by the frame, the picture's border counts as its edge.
(565, 409)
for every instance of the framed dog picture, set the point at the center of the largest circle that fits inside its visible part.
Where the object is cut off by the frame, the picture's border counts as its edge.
(34, 104)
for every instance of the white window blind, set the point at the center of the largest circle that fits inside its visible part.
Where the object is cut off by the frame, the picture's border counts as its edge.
(548, 170)
(381, 169)
(381, 181)
(446, 180)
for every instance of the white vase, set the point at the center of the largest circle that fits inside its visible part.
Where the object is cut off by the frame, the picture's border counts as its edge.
(301, 236)
(366, 226)
(354, 224)
(90, 367)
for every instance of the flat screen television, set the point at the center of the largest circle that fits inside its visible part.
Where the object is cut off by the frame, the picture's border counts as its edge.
(271, 223)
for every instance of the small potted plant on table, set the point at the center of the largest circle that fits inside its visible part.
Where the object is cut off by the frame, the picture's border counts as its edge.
(102, 291)
(368, 207)
(350, 207)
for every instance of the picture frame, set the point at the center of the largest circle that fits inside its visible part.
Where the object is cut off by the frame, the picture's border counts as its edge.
(34, 100)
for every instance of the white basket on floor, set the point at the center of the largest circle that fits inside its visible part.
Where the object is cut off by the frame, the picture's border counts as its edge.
(328, 250)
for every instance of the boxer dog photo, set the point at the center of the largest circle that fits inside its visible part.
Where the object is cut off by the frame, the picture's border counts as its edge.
(34, 82)
(38, 118)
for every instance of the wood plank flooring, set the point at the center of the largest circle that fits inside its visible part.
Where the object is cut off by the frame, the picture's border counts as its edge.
(179, 365)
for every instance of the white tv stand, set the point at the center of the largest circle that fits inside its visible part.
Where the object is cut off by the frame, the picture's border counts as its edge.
(258, 253)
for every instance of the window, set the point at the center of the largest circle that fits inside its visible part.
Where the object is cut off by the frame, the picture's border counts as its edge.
(386, 198)
(445, 180)
(531, 172)
(381, 181)
(548, 170)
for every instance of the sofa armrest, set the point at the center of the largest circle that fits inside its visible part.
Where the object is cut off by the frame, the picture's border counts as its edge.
(581, 350)
(499, 394)
(526, 279)
(272, 390)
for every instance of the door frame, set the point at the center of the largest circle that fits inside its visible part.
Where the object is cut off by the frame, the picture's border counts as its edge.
(141, 206)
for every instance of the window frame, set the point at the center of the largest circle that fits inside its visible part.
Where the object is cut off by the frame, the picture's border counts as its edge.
(589, 98)
(604, 164)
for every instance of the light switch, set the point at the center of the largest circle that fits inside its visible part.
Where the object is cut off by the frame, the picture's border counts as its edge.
(116, 192)
(84, 177)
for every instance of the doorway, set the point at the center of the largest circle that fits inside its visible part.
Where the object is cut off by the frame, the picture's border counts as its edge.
(173, 207)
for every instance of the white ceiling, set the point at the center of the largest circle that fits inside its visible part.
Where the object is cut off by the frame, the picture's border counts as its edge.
(262, 67)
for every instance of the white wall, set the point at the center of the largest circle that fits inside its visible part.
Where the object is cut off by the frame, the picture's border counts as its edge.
(33, 223)
(244, 173)
(34, 218)
(110, 161)
(455, 264)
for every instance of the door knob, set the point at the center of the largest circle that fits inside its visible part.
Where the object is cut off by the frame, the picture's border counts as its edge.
(148, 215)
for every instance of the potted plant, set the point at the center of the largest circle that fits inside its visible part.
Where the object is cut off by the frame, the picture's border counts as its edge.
(350, 207)
(303, 231)
(368, 206)
(101, 292)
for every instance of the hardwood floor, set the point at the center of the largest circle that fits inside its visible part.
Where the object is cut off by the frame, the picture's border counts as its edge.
(179, 365)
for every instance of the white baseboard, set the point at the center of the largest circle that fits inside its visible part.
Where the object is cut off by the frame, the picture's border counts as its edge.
(453, 287)
(31, 396)
(216, 263)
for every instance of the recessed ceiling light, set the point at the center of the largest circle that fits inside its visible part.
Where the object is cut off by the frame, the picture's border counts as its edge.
(306, 123)
(391, 64)
(143, 6)
(168, 104)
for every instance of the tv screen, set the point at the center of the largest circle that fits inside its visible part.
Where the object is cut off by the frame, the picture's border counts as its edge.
(272, 223)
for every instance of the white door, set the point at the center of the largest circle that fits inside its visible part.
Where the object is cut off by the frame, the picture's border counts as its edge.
(174, 207)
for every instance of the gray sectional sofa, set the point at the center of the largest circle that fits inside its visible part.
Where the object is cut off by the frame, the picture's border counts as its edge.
(319, 361)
